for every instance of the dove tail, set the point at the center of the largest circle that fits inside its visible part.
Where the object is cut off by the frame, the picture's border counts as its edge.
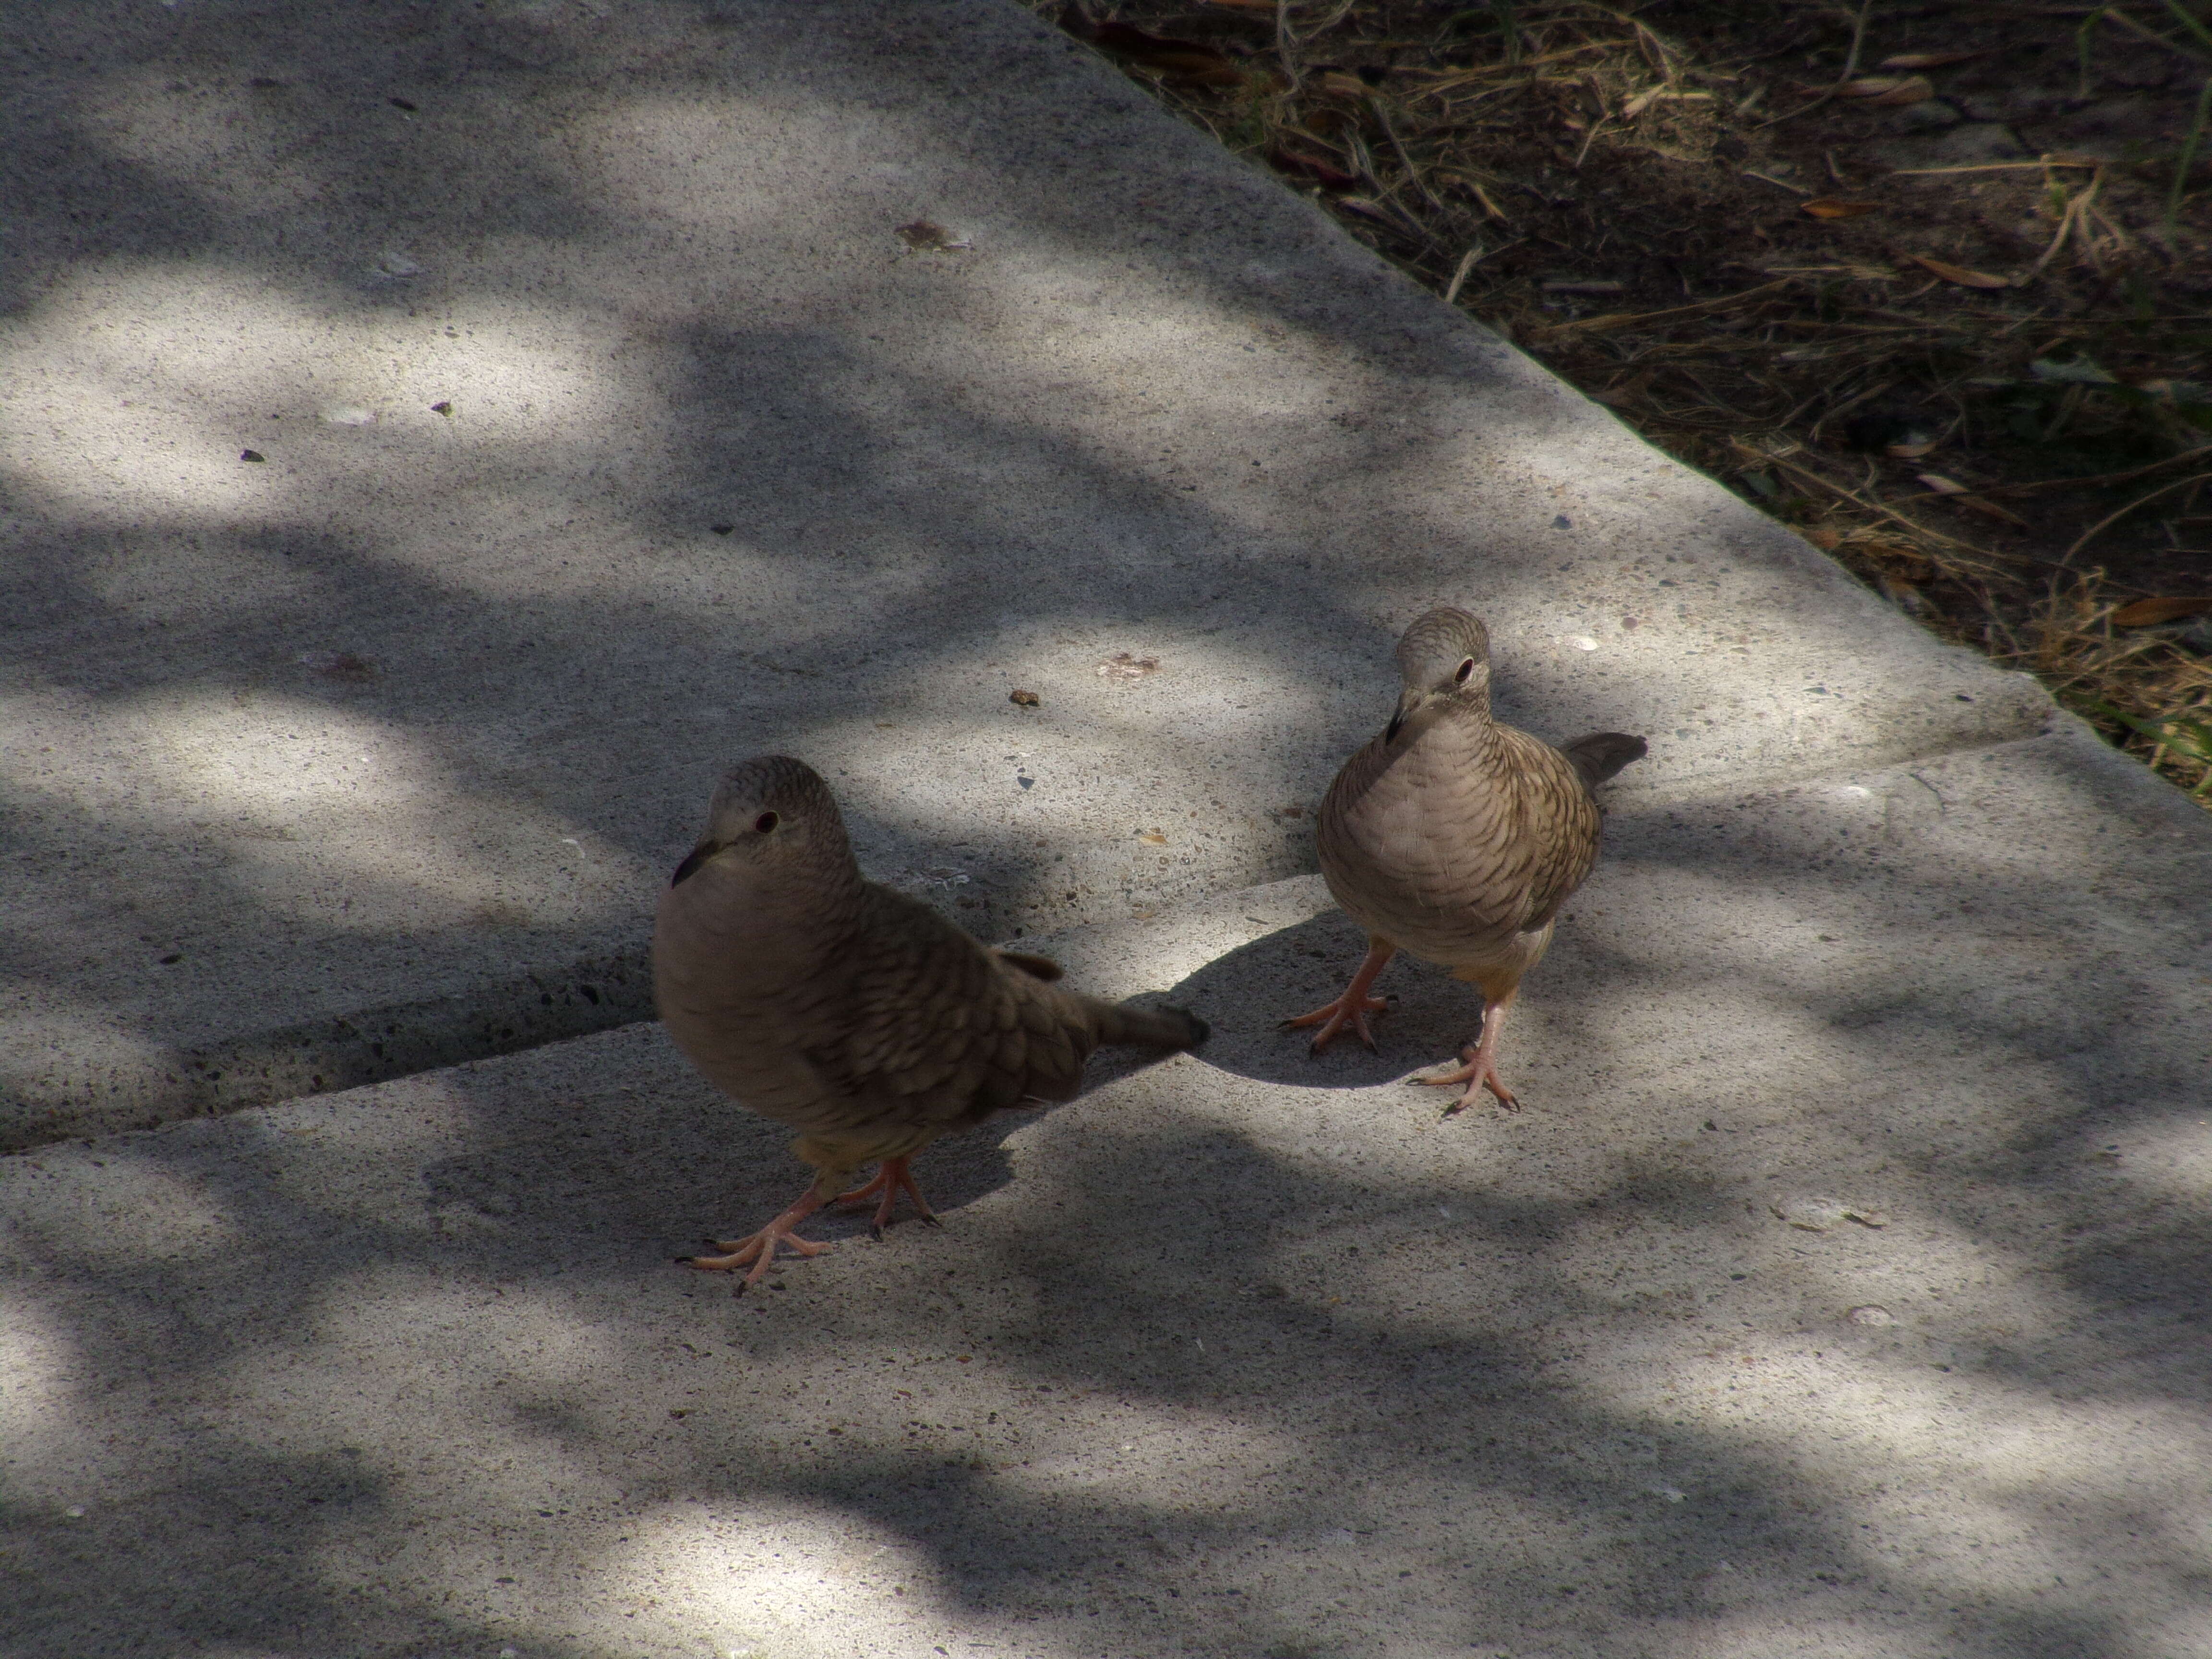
(1598, 757)
(1150, 1028)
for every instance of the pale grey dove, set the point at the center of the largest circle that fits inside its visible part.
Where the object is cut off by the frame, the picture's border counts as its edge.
(1458, 838)
(857, 1015)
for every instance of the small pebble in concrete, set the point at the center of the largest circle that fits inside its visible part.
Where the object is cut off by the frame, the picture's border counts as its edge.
(1871, 1314)
(1022, 699)
(252, 455)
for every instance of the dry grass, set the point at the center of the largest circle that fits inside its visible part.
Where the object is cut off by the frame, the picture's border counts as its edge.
(1964, 380)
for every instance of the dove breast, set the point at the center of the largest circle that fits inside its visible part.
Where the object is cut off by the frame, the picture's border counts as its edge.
(1458, 842)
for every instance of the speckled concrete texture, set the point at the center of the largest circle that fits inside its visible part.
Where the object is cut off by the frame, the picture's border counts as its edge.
(1838, 1293)
(609, 429)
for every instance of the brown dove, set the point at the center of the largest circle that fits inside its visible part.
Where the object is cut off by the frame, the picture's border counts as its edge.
(1458, 839)
(857, 1015)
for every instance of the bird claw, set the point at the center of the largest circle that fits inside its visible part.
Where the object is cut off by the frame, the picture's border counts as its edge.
(757, 1251)
(1334, 1016)
(1478, 1073)
(889, 1179)
(1505, 1103)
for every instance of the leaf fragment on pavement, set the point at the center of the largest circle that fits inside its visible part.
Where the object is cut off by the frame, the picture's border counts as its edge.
(1816, 1213)
(926, 237)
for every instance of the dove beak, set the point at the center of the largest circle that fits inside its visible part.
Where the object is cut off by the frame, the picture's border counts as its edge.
(1407, 702)
(699, 855)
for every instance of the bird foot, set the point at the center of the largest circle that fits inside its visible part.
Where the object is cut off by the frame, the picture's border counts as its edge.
(1480, 1072)
(891, 1179)
(757, 1250)
(1334, 1016)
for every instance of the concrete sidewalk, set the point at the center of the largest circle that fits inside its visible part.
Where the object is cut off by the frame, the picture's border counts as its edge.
(612, 431)
(1242, 1353)
(1838, 1293)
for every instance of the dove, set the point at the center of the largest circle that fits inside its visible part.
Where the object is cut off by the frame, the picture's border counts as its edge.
(1457, 838)
(856, 1015)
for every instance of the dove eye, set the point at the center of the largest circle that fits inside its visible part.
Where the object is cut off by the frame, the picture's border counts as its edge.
(1466, 673)
(765, 823)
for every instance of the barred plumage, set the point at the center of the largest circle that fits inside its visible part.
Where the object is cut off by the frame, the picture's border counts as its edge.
(855, 1014)
(1458, 838)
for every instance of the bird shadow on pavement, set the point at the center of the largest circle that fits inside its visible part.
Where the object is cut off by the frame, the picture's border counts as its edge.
(1246, 994)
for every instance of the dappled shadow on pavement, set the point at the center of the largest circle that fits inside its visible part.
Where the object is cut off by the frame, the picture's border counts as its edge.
(1224, 1356)
(1244, 1352)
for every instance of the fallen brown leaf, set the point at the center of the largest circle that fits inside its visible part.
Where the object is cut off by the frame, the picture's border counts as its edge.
(1828, 207)
(1991, 510)
(2143, 613)
(1297, 160)
(1958, 274)
(1367, 209)
(1186, 61)
(1915, 89)
(1958, 495)
(1925, 60)
(1857, 273)
(1888, 89)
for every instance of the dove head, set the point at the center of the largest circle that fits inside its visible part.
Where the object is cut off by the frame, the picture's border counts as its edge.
(1443, 662)
(773, 820)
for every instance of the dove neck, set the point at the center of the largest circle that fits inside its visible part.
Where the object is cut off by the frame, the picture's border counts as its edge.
(1458, 721)
(807, 899)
